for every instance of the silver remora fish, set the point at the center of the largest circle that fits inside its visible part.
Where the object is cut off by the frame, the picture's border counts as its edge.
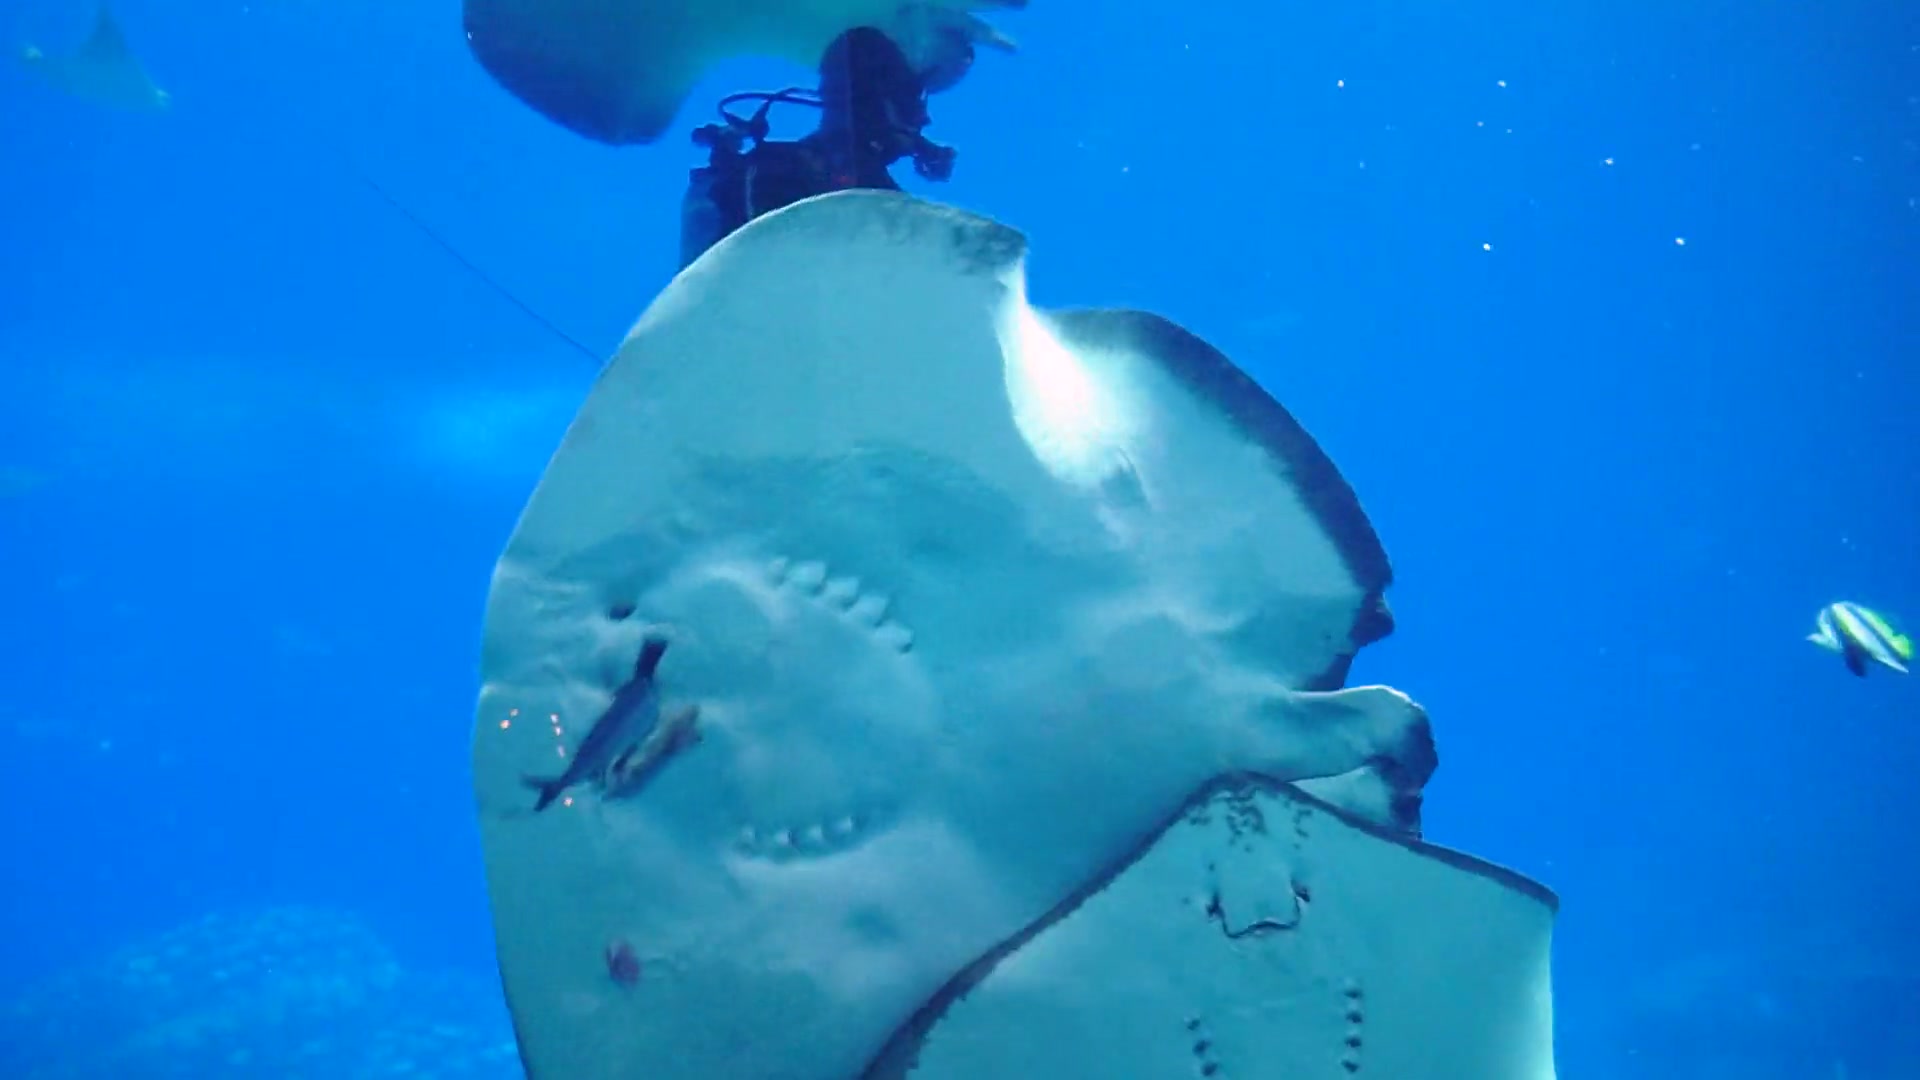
(633, 713)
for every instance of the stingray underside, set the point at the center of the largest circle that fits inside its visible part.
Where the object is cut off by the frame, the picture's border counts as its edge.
(974, 600)
(618, 71)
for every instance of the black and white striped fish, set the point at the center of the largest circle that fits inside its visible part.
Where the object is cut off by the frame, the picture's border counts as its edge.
(1861, 635)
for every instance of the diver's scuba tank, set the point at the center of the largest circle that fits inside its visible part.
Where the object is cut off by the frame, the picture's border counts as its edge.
(869, 95)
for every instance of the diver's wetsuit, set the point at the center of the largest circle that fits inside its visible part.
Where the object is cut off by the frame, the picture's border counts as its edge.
(873, 107)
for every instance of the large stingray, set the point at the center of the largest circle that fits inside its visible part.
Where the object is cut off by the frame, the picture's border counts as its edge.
(103, 70)
(619, 70)
(972, 599)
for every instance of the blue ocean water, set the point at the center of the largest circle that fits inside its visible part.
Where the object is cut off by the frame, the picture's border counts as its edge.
(1608, 312)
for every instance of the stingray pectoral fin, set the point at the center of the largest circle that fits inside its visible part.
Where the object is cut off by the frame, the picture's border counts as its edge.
(616, 78)
(1305, 734)
(1378, 793)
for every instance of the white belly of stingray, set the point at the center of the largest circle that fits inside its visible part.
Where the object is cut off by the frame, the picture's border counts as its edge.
(971, 600)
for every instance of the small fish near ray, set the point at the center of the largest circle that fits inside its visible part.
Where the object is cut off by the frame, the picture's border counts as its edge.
(1863, 637)
(1264, 933)
(971, 597)
(628, 742)
(618, 71)
(103, 70)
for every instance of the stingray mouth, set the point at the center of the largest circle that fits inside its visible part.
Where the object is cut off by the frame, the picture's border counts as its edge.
(807, 679)
(839, 614)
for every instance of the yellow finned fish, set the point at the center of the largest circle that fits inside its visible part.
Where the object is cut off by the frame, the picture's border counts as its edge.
(1861, 635)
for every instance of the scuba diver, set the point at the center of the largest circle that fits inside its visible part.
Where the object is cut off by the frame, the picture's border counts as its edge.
(873, 108)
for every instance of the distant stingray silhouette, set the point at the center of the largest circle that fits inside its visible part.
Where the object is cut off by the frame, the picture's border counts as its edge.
(103, 70)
